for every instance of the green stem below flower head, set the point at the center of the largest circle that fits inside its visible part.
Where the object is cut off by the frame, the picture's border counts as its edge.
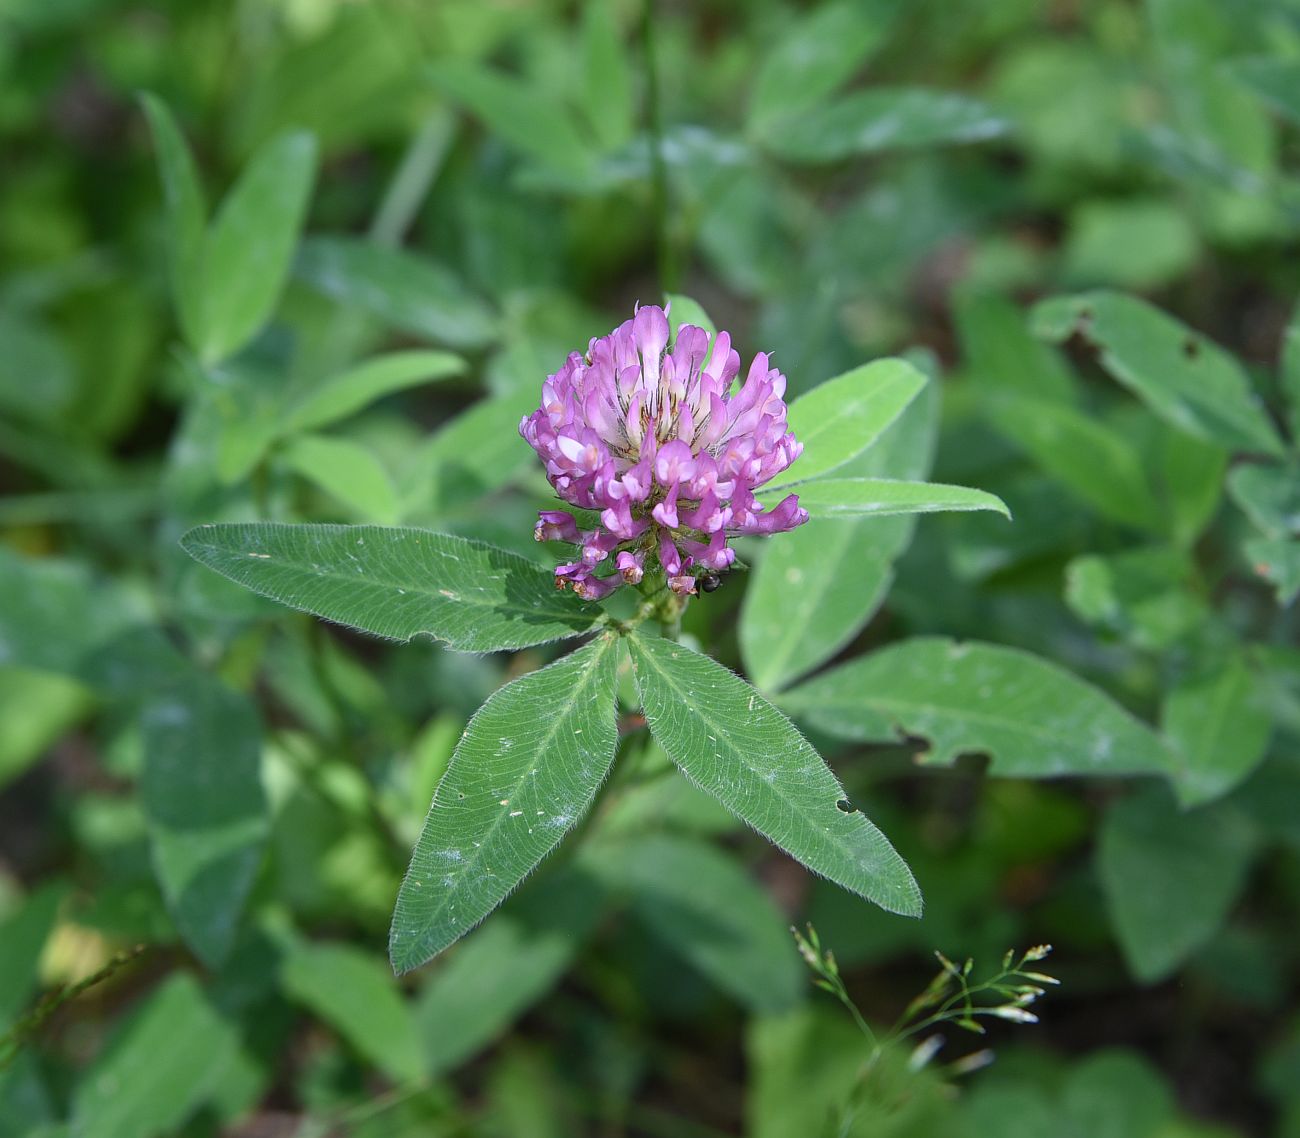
(660, 602)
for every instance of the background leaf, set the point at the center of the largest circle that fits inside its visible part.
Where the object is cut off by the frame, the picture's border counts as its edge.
(527, 768)
(348, 392)
(607, 96)
(1032, 718)
(23, 935)
(346, 471)
(1218, 724)
(186, 215)
(505, 966)
(398, 583)
(707, 910)
(734, 744)
(1169, 877)
(1190, 382)
(202, 794)
(866, 122)
(1095, 463)
(523, 116)
(824, 48)
(1269, 496)
(409, 292)
(353, 992)
(164, 1064)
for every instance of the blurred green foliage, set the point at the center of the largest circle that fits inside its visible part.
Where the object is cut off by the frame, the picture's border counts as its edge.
(239, 243)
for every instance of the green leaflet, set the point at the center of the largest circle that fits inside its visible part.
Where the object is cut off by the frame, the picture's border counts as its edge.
(186, 215)
(397, 583)
(842, 417)
(1095, 463)
(815, 587)
(526, 769)
(227, 277)
(737, 746)
(348, 472)
(526, 117)
(881, 497)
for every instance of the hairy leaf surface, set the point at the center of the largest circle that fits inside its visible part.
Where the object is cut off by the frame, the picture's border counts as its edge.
(733, 743)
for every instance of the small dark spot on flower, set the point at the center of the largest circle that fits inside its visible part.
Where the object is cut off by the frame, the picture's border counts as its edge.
(845, 806)
(1191, 347)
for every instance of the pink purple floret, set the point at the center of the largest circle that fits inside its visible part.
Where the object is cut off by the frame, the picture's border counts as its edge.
(654, 440)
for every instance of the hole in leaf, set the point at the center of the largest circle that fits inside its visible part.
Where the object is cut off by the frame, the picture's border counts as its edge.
(845, 806)
(1191, 348)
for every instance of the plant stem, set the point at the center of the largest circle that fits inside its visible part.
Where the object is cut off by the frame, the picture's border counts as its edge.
(665, 246)
(414, 176)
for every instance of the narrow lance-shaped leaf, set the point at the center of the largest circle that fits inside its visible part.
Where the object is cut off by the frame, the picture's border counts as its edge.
(1032, 719)
(842, 417)
(880, 497)
(526, 769)
(734, 744)
(186, 216)
(251, 242)
(398, 583)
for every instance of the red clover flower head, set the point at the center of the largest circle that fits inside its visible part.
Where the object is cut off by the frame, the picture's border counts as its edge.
(655, 441)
